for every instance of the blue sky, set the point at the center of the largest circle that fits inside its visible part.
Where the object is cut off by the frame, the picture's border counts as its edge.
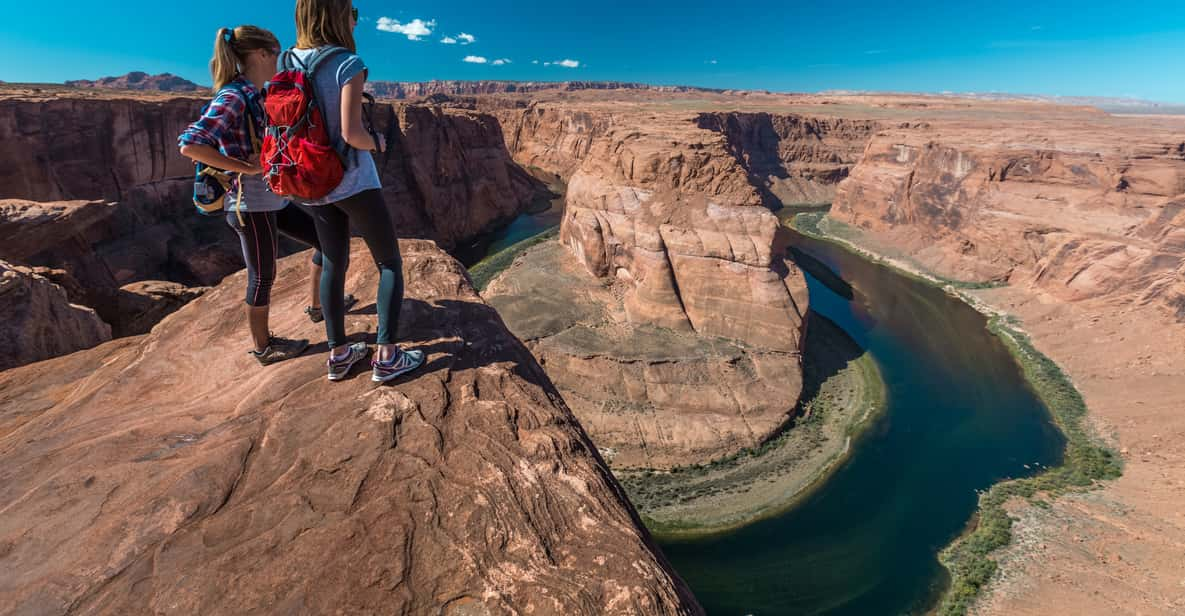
(1081, 48)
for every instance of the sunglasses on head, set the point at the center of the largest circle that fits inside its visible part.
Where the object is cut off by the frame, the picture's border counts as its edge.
(354, 12)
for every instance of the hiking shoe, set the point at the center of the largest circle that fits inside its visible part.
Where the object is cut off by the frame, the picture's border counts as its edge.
(340, 367)
(316, 315)
(404, 362)
(279, 349)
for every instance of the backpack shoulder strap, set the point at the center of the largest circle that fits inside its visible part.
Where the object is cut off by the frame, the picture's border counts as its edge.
(288, 61)
(321, 55)
(252, 128)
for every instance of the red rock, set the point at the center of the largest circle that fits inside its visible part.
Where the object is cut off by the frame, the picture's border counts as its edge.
(37, 321)
(137, 80)
(171, 473)
(673, 217)
(447, 177)
(137, 307)
(1095, 216)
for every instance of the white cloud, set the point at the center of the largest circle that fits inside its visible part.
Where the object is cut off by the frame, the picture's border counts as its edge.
(466, 39)
(501, 61)
(475, 60)
(415, 29)
(448, 40)
(564, 63)
(711, 62)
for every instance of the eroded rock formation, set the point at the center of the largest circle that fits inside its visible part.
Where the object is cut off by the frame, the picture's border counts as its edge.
(95, 186)
(171, 473)
(1078, 214)
(37, 320)
(446, 177)
(798, 160)
(673, 218)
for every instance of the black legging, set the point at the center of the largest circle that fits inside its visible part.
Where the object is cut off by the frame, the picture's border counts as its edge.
(259, 236)
(367, 213)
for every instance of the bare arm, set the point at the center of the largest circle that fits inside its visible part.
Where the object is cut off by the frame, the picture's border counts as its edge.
(353, 132)
(211, 156)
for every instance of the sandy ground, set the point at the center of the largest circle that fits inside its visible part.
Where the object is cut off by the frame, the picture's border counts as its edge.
(1120, 549)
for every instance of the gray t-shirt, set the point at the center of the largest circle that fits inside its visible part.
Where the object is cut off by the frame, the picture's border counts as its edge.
(332, 75)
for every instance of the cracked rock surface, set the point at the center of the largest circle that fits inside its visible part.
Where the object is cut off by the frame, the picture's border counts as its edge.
(170, 474)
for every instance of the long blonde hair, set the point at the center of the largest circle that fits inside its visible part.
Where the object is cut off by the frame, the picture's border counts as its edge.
(324, 22)
(231, 47)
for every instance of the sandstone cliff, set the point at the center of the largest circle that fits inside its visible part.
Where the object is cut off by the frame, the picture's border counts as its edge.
(795, 159)
(447, 176)
(169, 473)
(37, 320)
(1078, 214)
(95, 186)
(693, 351)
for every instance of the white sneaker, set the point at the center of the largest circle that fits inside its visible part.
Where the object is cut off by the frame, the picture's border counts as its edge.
(340, 367)
(402, 363)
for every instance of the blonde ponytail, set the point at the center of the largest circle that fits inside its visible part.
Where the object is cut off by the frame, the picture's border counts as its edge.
(224, 66)
(231, 46)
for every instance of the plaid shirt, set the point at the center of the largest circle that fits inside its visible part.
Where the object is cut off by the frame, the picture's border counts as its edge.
(222, 123)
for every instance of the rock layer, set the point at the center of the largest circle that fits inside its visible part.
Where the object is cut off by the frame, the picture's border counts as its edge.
(693, 352)
(795, 159)
(649, 397)
(37, 320)
(448, 177)
(133, 487)
(1078, 214)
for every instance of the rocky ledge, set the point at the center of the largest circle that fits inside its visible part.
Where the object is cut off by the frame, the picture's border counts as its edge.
(168, 473)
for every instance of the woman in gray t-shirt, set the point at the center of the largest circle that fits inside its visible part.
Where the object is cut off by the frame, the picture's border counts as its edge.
(357, 201)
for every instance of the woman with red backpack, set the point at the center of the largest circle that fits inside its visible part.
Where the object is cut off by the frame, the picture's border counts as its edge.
(325, 56)
(225, 138)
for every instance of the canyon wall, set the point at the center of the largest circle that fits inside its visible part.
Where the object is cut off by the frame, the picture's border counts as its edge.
(1077, 214)
(446, 177)
(793, 159)
(38, 320)
(95, 186)
(671, 213)
(170, 473)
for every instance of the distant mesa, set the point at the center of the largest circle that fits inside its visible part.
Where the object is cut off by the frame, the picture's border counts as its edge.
(137, 80)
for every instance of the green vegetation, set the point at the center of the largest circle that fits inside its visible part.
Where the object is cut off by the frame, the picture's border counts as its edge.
(485, 271)
(843, 392)
(1086, 461)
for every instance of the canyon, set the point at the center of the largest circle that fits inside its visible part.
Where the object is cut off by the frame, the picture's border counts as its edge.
(1065, 218)
(692, 351)
(666, 315)
(93, 185)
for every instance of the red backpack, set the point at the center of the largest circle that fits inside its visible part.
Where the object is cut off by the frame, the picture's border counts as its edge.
(299, 157)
